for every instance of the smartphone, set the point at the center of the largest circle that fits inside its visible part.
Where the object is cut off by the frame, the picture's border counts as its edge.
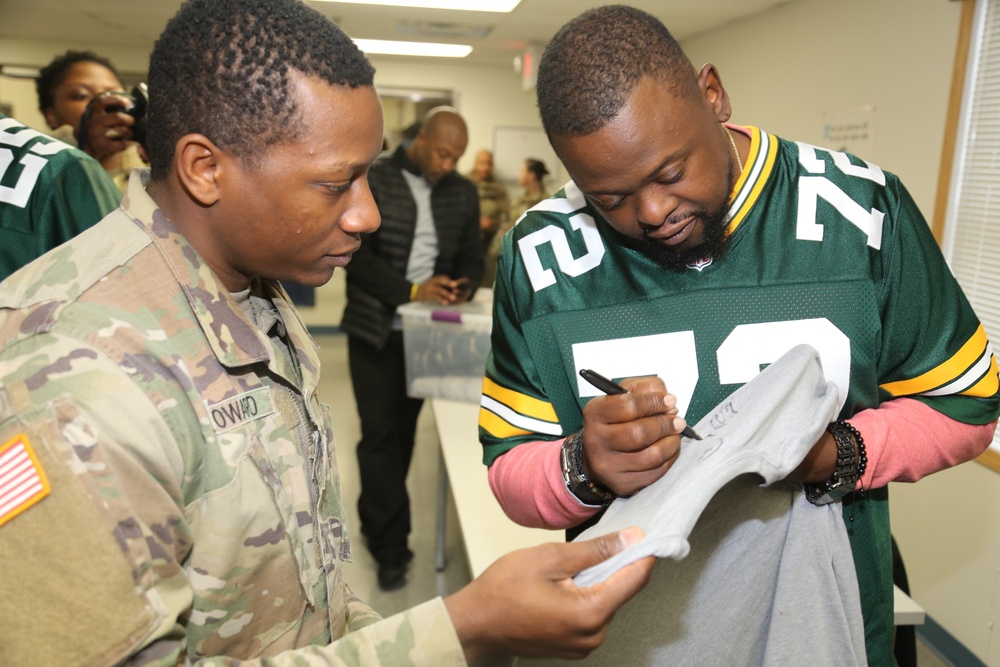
(462, 290)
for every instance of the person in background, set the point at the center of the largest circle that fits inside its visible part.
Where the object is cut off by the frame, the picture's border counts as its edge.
(170, 491)
(426, 249)
(49, 193)
(66, 87)
(532, 179)
(494, 204)
(699, 251)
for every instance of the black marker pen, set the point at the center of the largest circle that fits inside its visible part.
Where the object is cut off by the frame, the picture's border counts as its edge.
(611, 388)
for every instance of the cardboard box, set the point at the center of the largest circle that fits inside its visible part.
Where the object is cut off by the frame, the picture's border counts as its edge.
(446, 347)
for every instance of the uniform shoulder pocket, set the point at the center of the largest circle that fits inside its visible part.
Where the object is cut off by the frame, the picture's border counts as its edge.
(64, 559)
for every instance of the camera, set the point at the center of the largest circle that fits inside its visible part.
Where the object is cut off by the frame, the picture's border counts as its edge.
(138, 103)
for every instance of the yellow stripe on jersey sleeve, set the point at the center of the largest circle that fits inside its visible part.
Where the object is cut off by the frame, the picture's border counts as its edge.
(970, 353)
(988, 385)
(505, 413)
(518, 402)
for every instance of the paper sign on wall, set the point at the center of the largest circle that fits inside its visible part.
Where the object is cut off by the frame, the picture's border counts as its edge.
(851, 131)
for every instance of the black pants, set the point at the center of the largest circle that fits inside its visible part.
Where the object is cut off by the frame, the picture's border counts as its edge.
(905, 643)
(388, 426)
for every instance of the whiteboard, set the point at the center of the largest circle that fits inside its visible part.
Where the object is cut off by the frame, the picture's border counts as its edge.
(513, 145)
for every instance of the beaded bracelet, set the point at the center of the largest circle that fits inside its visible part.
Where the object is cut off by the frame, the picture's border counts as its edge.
(852, 461)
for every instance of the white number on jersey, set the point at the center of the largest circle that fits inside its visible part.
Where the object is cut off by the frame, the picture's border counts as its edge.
(812, 188)
(31, 165)
(583, 223)
(673, 356)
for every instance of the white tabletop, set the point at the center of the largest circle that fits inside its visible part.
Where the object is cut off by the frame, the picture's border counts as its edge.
(486, 531)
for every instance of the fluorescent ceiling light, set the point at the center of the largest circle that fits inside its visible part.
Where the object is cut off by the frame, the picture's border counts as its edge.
(20, 72)
(478, 6)
(391, 48)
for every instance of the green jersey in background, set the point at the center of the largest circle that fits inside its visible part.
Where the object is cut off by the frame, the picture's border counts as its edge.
(49, 193)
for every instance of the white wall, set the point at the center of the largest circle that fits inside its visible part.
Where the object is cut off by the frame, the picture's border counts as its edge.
(784, 70)
(20, 94)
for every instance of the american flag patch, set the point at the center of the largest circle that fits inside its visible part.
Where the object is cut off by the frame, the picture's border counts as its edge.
(22, 480)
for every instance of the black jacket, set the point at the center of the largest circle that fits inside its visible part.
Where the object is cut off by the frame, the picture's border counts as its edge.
(376, 276)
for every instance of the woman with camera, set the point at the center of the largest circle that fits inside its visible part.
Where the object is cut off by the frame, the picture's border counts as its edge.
(81, 83)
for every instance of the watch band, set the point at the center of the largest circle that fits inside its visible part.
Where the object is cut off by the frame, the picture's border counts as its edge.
(575, 475)
(851, 464)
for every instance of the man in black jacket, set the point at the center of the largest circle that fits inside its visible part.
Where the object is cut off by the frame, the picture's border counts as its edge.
(427, 249)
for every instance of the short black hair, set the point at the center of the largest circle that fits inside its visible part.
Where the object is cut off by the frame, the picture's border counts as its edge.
(53, 74)
(536, 167)
(221, 68)
(589, 69)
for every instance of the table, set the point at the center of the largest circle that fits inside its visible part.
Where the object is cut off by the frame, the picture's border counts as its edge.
(487, 532)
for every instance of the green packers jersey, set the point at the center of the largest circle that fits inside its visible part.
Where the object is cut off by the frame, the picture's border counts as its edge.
(825, 249)
(49, 193)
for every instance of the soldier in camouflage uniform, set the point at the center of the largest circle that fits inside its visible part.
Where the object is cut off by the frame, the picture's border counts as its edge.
(168, 490)
(494, 206)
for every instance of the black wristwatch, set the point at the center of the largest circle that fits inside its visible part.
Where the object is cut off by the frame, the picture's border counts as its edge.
(575, 476)
(851, 464)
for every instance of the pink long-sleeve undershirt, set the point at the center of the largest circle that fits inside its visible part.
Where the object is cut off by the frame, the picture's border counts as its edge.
(905, 440)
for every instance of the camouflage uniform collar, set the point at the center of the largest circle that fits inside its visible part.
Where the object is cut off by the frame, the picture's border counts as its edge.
(234, 339)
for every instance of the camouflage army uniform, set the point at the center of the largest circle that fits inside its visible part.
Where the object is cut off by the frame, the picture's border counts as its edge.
(494, 202)
(181, 514)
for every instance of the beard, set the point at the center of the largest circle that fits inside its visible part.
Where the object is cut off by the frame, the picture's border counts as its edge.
(713, 247)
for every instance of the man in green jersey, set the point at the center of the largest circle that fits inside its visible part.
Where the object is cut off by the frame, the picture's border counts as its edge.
(699, 251)
(49, 193)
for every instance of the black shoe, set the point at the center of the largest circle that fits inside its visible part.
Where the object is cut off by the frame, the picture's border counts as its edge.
(391, 576)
